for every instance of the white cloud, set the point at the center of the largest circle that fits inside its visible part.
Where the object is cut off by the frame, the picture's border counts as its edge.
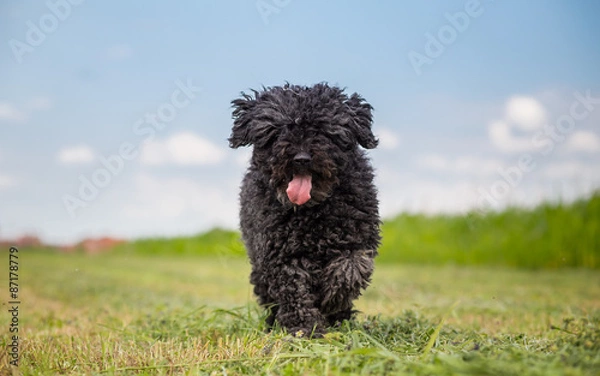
(76, 155)
(119, 52)
(464, 165)
(184, 148)
(175, 198)
(570, 170)
(525, 112)
(11, 113)
(400, 191)
(501, 136)
(388, 139)
(7, 181)
(585, 141)
(40, 104)
(163, 198)
(153, 153)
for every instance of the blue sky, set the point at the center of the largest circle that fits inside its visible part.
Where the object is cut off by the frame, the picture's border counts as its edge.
(496, 116)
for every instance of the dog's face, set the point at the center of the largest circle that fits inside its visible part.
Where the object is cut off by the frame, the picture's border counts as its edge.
(303, 137)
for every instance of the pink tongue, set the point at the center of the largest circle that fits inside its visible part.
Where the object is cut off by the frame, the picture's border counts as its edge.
(298, 189)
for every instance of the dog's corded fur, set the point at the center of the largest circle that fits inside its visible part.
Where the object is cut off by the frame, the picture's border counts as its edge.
(309, 210)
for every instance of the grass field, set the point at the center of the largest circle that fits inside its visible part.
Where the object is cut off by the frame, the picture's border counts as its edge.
(127, 313)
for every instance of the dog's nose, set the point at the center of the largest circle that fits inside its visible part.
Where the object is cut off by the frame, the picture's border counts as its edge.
(302, 158)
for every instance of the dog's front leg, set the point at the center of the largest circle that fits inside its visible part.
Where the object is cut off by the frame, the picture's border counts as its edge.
(291, 289)
(342, 281)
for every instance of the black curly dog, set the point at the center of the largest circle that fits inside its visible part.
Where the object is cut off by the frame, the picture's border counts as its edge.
(309, 209)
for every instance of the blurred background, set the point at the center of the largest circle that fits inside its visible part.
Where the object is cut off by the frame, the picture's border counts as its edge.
(114, 116)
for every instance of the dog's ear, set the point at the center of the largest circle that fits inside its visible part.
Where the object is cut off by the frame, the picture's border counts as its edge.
(361, 119)
(241, 133)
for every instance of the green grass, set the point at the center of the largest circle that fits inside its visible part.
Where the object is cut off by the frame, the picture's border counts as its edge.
(217, 242)
(127, 313)
(548, 236)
